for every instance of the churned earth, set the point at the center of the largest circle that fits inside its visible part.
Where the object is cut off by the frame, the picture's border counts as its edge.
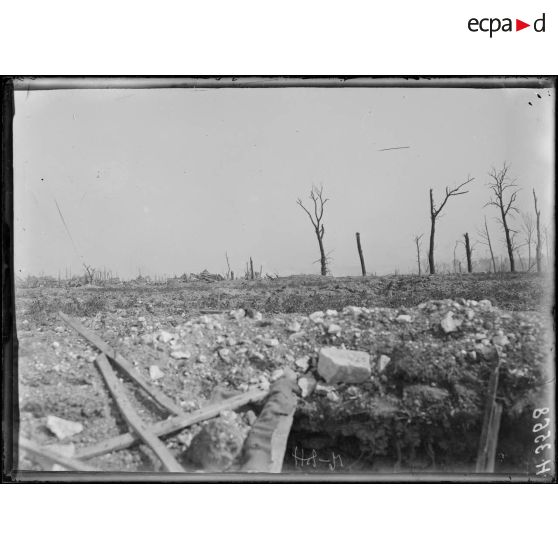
(421, 409)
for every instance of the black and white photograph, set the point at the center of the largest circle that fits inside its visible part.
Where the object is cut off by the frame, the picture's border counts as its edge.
(283, 279)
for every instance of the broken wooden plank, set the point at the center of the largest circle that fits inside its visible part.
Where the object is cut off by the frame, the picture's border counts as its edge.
(172, 425)
(265, 445)
(482, 456)
(45, 453)
(133, 419)
(493, 433)
(124, 366)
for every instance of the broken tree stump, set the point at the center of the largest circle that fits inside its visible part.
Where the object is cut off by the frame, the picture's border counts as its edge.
(133, 419)
(359, 247)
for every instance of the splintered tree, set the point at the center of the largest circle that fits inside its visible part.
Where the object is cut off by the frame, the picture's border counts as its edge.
(435, 212)
(538, 248)
(528, 226)
(500, 186)
(468, 253)
(418, 244)
(359, 248)
(485, 239)
(318, 200)
(90, 277)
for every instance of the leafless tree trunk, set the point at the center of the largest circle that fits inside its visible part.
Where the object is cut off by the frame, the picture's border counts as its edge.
(435, 212)
(455, 257)
(468, 253)
(538, 255)
(90, 273)
(359, 247)
(520, 259)
(529, 231)
(418, 244)
(228, 266)
(317, 197)
(501, 183)
(251, 269)
(545, 232)
(485, 236)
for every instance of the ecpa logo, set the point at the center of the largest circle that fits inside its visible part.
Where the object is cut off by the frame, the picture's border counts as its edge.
(494, 24)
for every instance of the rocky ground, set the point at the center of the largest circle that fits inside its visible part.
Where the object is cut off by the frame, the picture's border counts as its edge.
(419, 407)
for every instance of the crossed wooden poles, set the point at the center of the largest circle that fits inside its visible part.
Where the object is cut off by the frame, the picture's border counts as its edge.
(139, 431)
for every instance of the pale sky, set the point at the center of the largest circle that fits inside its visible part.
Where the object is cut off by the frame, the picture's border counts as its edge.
(167, 180)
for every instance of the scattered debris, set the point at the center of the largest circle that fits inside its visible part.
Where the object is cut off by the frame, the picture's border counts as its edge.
(303, 363)
(448, 323)
(165, 336)
(334, 329)
(206, 276)
(293, 326)
(63, 428)
(317, 317)
(155, 373)
(225, 355)
(383, 361)
(307, 384)
(180, 355)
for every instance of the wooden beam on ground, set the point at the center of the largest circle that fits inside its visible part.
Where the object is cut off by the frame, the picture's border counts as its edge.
(265, 445)
(482, 456)
(133, 419)
(45, 453)
(172, 425)
(124, 366)
(494, 430)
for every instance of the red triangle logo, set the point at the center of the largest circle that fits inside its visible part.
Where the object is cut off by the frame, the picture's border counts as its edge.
(519, 25)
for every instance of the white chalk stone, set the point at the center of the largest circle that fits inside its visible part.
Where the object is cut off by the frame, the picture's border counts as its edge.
(63, 428)
(342, 365)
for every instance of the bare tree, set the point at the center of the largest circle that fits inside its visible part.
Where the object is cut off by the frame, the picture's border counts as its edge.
(90, 277)
(516, 250)
(418, 244)
(230, 274)
(456, 262)
(435, 212)
(528, 226)
(317, 197)
(546, 235)
(538, 247)
(499, 185)
(485, 239)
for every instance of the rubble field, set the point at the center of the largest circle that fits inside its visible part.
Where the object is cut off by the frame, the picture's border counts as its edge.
(392, 372)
